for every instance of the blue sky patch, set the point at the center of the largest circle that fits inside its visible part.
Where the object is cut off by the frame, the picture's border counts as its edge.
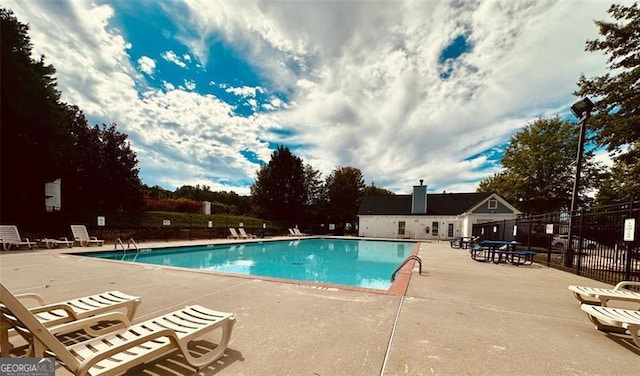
(251, 156)
(460, 45)
(175, 67)
(493, 156)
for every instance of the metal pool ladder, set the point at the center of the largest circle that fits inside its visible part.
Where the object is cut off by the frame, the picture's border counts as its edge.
(124, 250)
(412, 257)
(129, 244)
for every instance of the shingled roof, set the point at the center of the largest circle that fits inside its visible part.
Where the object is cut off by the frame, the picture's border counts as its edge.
(437, 204)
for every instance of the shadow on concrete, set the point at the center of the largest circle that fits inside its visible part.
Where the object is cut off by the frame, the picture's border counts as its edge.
(175, 364)
(623, 340)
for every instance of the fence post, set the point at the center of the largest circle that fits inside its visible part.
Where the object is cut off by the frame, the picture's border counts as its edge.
(529, 235)
(580, 241)
(627, 267)
(568, 254)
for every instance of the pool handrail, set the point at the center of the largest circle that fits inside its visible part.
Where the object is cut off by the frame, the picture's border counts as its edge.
(411, 257)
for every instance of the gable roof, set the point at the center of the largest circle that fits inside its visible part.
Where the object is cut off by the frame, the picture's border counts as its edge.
(437, 204)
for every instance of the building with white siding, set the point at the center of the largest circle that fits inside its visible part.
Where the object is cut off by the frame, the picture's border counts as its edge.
(430, 216)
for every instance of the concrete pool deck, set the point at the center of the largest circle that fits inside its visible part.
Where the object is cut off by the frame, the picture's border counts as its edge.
(459, 317)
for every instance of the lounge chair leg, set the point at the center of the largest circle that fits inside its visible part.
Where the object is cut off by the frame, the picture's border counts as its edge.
(635, 334)
(37, 349)
(5, 345)
(203, 361)
(581, 300)
(604, 327)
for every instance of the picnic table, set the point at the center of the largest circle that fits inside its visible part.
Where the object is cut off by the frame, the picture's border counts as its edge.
(462, 242)
(498, 251)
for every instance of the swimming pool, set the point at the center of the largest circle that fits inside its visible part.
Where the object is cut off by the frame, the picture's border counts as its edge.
(357, 263)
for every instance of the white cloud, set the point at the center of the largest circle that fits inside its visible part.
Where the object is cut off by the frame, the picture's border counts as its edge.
(362, 84)
(274, 103)
(172, 57)
(147, 65)
(168, 85)
(373, 91)
(190, 85)
(243, 91)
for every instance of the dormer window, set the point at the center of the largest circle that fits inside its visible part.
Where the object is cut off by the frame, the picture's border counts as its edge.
(493, 204)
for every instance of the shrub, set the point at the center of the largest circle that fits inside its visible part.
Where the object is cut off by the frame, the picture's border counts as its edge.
(180, 205)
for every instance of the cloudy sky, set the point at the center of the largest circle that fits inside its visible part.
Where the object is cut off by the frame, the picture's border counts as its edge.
(404, 91)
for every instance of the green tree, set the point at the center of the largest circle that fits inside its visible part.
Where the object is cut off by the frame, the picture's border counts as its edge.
(279, 190)
(224, 202)
(536, 175)
(316, 204)
(122, 186)
(345, 187)
(509, 186)
(235, 203)
(43, 139)
(372, 190)
(196, 193)
(616, 95)
(620, 182)
(101, 174)
(156, 192)
(33, 136)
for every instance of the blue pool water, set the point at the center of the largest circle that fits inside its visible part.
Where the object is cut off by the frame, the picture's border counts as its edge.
(360, 263)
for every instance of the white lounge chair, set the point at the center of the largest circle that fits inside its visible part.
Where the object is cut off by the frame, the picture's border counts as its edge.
(51, 243)
(51, 314)
(81, 236)
(604, 295)
(234, 233)
(243, 234)
(121, 349)
(297, 232)
(292, 233)
(618, 320)
(10, 236)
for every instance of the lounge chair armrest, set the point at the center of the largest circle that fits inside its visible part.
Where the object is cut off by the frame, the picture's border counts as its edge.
(31, 295)
(93, 237)
(50, 307)
(72, 326)
(622, 284)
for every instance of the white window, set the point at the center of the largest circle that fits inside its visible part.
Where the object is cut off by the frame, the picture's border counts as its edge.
(493, 204)
(434, 228)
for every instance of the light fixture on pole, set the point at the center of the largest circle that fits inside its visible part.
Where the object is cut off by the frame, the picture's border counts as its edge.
(582, 110)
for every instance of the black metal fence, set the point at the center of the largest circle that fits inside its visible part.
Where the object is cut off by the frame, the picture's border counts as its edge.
(172, 232)
(597, 249)
(141, 234)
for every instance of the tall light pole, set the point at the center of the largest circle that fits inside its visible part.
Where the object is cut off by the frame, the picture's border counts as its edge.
(582, 110)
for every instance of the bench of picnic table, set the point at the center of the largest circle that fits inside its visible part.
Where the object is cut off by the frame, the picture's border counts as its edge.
(480, 253)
